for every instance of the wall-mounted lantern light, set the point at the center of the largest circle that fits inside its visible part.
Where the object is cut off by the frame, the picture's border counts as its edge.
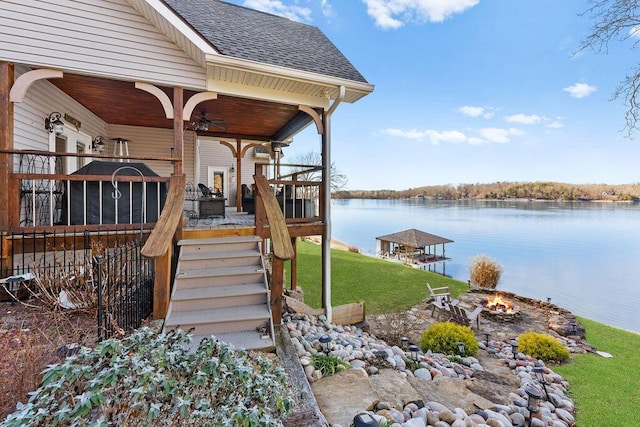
(98, 145)
(53, 122)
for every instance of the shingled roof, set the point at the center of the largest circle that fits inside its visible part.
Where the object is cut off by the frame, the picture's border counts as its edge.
(244, 33)
(413, 238)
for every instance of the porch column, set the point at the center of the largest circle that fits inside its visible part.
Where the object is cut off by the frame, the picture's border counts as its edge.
(239, 157)
(6, 138)
(326, 237)
(178, 129)
(294, 264)
(326, 187)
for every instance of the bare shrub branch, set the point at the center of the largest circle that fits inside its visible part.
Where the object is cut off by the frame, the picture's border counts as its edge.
(617, 21)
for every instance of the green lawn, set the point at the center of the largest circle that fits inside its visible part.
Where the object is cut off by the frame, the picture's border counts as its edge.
(384, 286)
(606, 390)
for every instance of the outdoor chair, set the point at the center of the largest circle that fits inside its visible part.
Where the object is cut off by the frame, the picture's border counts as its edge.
(439, 299)
(463, 317)
(206, 192)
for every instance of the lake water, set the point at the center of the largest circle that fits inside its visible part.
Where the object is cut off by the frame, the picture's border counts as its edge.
(585, 256)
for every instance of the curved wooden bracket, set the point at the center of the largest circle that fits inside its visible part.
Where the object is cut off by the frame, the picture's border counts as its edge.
(231, 147)
(247, 147)
(158, 93)
(24, 82)
(195, 100)
(315, 116)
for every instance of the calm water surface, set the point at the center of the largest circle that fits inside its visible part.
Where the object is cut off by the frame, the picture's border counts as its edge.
(585, 256)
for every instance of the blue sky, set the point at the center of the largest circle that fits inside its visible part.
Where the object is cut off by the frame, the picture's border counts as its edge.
(471, 91)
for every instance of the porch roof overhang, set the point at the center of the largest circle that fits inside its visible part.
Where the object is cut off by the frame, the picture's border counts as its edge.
(239, 75)
(247, 117)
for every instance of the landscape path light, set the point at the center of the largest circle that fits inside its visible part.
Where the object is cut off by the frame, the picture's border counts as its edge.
(539, 372)
(533, 401)
(414, 351)
(514, 348)
(487, 335)
(404, 342)
(364, 419)
(461, 350)
(325, 342)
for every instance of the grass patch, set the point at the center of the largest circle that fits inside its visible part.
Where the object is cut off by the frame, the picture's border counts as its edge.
(385, 286)
(605, 390)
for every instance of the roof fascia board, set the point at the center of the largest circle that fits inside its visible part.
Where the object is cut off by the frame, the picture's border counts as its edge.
(163, 10)
(288, 73)
(264, 94)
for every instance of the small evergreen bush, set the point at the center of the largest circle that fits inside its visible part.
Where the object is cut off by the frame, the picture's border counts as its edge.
(155, 379)
(484, 272)
(543, 347)
(443, 337)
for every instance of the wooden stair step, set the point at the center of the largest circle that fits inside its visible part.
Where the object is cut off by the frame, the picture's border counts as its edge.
(219, 291)
(217, 272)
(196, 256)
(244, 340)
(218, 315)
(220, 240)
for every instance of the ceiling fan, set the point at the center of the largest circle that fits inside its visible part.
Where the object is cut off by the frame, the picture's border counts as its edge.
(203, 123)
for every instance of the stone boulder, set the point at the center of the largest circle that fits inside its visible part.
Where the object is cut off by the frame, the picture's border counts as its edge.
(343, 395)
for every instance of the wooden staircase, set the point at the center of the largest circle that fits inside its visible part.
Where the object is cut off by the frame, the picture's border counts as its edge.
(221, 289)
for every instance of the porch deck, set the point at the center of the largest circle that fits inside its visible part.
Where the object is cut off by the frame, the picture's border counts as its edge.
(232, 219)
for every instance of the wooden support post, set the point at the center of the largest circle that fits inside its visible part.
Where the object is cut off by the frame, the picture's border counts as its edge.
(161, 285)
(277, 280)
(178, 129)
(239, 156)
(6, 139)
(294, 265)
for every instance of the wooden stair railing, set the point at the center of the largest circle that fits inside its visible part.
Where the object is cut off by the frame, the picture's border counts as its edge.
(280, 242)
(159, 246)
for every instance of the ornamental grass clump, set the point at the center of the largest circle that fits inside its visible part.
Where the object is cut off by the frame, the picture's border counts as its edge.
(329, 365)
(443, 337)
(484, 272)
(543, 347)
(154, 379)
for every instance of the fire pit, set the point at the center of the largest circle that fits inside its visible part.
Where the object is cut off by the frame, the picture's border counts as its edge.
(499, 307)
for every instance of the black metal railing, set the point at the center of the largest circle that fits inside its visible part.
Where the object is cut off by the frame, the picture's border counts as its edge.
(47, 196)
(125, 290)
(108, 264)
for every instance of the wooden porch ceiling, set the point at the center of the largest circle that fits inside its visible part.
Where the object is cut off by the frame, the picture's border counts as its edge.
(119, 102)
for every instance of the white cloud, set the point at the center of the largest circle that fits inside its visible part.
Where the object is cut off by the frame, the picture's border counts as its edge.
(327, 9)
(477, 141)
(524, 119)
(452, 136)
(556, 124)
(580, 90)
(395, 13)
(498, 135)
(635, 32)
(470, 111)
(409, 134)
(276, 7)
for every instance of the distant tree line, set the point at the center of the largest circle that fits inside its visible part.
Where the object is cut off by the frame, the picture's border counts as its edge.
(505, 190)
